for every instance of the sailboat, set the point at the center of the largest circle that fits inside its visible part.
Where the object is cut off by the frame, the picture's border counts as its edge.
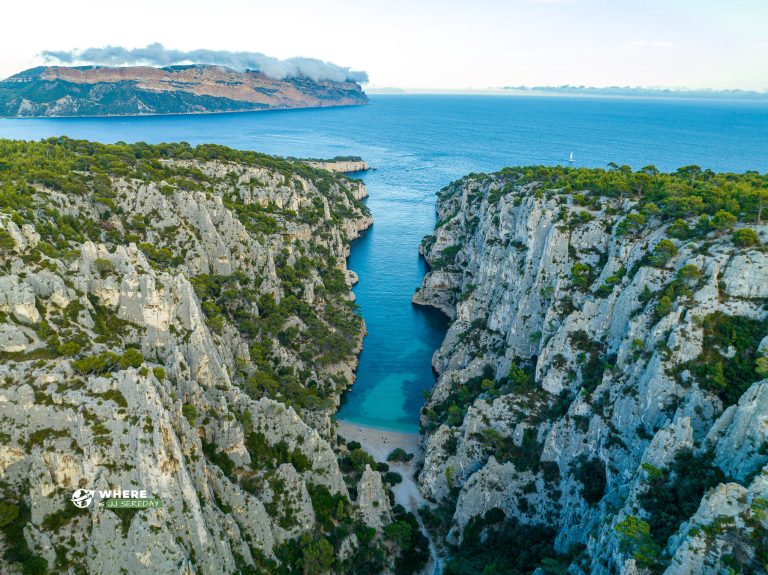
(571, 158)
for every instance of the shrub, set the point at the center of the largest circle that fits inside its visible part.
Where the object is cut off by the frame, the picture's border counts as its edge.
(328, 508)
(663, 307)
(679, 230)
(508, 548)
(70, 348)
(590, 472)
(103, 266)
(399, 455)
(664, 251)
(632, 224)
(689, 273)
(745, 237)
(190, 412)
(8, 513)
(359, 459)
(400, 532)
(723, 220)
(581, 276)
(319, 557)
(635, 539)
(393, 477)
(91, 364)
(131, 358)
(6, 242)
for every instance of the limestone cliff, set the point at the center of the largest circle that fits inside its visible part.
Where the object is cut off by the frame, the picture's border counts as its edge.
(600, 383)
(143, 90)
(177, 320)
(341, 165)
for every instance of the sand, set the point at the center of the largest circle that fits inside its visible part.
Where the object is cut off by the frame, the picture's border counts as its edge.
(380, 443)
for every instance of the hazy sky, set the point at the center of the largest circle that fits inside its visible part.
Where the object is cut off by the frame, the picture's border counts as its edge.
(430, 43)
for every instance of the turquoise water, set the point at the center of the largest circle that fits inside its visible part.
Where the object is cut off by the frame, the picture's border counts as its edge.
(418, 145)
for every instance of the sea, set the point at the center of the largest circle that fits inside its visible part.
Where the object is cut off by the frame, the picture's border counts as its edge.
(417, 144)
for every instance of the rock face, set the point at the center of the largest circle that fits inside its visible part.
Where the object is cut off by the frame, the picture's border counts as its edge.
(142, 90)
(575, 385)
(175, 320)
(373, 499)
(341, 165)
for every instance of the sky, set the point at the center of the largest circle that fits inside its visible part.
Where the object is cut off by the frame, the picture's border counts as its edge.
(430, 44)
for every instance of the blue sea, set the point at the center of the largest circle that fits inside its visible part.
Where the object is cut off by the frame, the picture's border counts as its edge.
(420, 143)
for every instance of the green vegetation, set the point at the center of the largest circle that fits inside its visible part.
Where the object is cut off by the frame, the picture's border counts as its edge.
(189, 411)
(412, 547)
(454, 407)
(108, 361)
(635, 540)
(724, 199)
(399, 455)
(591, 474)
(494, 544)
(664, 251)
(728, 363)
(272, 456)
(13, 518)
(674, 494)
(582, 276)
(745, 237)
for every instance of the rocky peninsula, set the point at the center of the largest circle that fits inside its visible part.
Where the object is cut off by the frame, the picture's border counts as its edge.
(341, 165)
(48, 91)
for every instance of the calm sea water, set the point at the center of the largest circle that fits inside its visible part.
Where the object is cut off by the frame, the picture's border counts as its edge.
(418, 144)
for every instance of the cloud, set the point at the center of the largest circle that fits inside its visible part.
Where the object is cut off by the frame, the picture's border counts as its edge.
(652, 43)
(761, 45)
(157, 55)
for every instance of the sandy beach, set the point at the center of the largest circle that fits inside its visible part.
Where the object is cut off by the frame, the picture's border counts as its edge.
(380, 443)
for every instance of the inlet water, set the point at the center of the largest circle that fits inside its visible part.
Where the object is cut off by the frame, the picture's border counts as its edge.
(418, 145)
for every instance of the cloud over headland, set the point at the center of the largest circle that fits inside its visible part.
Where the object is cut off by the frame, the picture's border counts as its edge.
(157, 55)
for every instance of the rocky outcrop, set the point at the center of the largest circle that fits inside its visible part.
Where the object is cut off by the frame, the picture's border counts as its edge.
(574, 380)
(143, 90)
(340, 166)
(176, 341)
(373, 499)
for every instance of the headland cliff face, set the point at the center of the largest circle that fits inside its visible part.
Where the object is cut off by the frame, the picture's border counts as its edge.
(600, 401)
(143, 90)
(341, 165)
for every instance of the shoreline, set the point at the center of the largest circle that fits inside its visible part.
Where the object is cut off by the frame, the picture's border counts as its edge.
(167, 114)
(379, 443)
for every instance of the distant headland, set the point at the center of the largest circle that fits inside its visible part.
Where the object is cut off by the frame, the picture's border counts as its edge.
(639, 92)
(53, 91)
